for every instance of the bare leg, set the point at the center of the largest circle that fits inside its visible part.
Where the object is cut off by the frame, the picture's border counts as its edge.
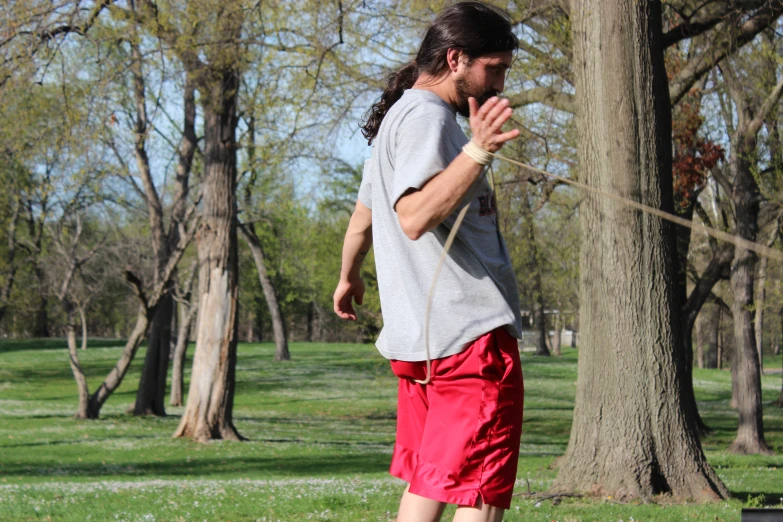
(414, 508)
(480, 513)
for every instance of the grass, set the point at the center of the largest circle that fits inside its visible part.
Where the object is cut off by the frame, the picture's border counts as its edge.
(321, 429)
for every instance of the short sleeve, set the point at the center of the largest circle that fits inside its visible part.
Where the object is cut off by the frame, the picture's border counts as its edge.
(424, 147)
(365, 189)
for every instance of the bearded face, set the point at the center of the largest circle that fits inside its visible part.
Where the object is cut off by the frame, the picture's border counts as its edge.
(469, 85)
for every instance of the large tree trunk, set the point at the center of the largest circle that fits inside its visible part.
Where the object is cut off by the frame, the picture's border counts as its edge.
(152, 384)
(208, 413)
(628, 440)
(270, 293)
(180, 353)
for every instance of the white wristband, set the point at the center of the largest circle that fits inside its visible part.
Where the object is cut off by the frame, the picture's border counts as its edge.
(476, 153)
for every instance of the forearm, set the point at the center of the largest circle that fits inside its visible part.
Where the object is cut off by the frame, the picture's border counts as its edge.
(357, 243)
(425, 209)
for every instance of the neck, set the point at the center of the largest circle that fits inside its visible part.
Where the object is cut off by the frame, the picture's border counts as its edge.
(440, 85)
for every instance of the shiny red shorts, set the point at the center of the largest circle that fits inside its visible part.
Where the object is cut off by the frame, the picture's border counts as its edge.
(458, 436)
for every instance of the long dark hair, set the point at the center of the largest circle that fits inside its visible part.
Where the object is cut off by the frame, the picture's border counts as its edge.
(474, 28)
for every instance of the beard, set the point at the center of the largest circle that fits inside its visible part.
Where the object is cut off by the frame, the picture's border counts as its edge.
(466, 89)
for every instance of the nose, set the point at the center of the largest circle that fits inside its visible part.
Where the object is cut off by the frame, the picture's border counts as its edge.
(499, 84)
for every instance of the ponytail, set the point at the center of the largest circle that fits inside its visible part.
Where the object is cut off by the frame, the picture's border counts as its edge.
(400, 80)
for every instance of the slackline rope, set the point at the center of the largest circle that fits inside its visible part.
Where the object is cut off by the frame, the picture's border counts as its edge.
(484, 157)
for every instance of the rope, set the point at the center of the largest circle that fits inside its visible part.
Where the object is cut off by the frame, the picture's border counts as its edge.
(481, 156)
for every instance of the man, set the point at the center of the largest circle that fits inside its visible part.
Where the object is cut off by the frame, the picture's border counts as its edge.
(458, 434)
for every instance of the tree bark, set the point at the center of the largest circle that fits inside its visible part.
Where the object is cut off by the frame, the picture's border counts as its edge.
(83, 318)
(556, 336)
(10, 275)
(762, 295)
(152, 384)
(270, 293)
(713, 327)
(208, 413)
(83, 410)
(117, 374)
(746, 197)
(180, 353)
(628, 440)
(699, 345)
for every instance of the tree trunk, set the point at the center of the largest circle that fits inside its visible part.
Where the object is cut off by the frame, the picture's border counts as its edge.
(746, 196)
(713, 327)
(83, 411)
(628, 440)
(734, 382)
(761, 298)
(699, 344)
(83, 318)
(117, 374)
(41, 325)
(556, 338)
(750, 434)
(310, 320)
(180, 354)
(270, 293)
(152, 383)
(721, 344)
(208, 413)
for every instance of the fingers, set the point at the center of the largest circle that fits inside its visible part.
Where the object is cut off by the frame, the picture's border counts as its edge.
(487, 107)
(498, 108)
(343, 301)
(506, 136)
(500, 119)
(473, 106)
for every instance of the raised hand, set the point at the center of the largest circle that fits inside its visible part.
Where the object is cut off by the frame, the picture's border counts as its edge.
(486, 121)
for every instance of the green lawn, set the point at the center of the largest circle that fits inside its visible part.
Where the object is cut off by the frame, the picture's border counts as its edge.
(321, 429)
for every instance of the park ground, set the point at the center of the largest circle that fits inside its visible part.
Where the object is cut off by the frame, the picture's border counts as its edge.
(320, 429)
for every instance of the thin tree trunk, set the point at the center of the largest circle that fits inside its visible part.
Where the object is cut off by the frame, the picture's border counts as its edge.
(180, 354)
(556, 339)
(208, 413)
(270, 293)
(760, 299)
(713, 327)
(117, 374)
(10, 275)
(699, 344)
(734, 382)
(83, 411)
(628, 440)
(310, 320)
(83, 318)
(152, 383)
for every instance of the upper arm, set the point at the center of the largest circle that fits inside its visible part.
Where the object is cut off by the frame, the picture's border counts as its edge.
(362, 215)
(422, 150)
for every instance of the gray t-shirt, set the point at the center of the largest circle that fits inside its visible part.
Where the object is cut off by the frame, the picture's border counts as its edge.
(476, 291)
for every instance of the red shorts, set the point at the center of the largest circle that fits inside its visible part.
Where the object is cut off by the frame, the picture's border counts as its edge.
(458, 436)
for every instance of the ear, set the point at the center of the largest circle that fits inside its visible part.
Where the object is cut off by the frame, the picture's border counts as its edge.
(453, 59)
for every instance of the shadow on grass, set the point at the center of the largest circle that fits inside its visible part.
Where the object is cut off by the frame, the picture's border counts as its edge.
(301, 465)
(16, 345)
